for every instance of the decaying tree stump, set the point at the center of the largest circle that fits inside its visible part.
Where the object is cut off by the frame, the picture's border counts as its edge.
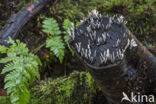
(118, 62)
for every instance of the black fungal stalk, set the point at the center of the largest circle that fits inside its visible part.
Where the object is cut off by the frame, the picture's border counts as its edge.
(115, 58)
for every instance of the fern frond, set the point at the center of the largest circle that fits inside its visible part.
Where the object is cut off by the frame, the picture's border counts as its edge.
(67, 38)
(8, 68)
(10, 41)
(56, 46)
(54, 42)
(50, 26)
(5, 60)
(22, 69)
(67, 24)
(3, 49)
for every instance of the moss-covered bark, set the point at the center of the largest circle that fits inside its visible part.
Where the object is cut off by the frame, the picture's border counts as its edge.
(78, 88)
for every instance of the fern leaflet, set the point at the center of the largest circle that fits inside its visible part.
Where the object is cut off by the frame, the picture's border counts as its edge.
(21, 69)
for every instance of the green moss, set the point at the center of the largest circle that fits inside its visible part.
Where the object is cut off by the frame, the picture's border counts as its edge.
(78, 88)
(4, 100)
(140, 14)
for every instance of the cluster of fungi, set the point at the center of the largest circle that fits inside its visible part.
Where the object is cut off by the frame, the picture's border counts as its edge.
(101, 40)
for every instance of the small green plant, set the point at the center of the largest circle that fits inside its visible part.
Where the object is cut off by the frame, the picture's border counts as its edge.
(21, 69)
(54, 41)
(67, 24)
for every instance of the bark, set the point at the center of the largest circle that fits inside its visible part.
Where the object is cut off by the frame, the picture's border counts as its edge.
(136, 73)
(17, 21)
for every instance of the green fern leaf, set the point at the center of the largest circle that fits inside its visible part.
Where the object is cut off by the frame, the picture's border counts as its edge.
(5, 60)
(3, 49)
(10, 41)
(9, 84)
(8, 67)
(56, 46)
(22, 69)
(67, 24)
(67, 38)
(50, 26)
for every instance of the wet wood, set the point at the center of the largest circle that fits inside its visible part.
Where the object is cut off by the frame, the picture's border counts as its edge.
(17, 21)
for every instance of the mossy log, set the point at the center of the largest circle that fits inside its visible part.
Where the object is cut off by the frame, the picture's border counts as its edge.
(77, 88)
